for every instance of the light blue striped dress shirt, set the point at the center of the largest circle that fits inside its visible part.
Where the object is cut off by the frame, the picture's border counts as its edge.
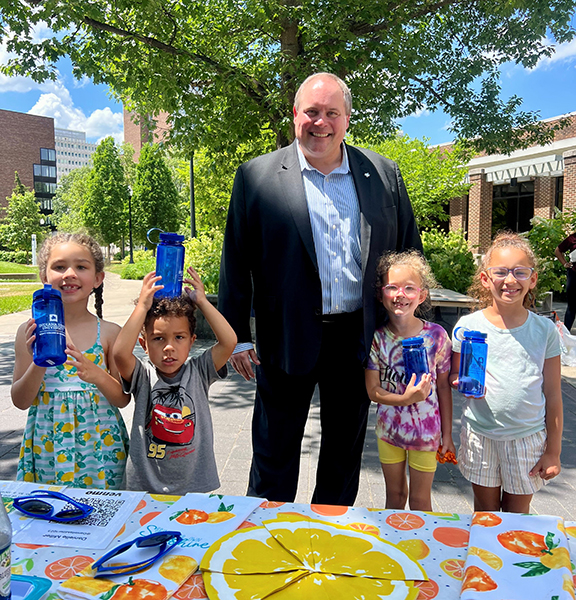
(335, 219)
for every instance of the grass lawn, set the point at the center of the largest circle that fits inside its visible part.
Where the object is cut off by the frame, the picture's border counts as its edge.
(16, 297)
(8, 267)
(115, 267)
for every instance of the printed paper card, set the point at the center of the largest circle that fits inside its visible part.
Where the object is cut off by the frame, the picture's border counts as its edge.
(111, 510)
(16, 489)
(200, 518)
(517, 556)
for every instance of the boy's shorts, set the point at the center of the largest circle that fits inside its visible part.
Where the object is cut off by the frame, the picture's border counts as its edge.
(420, 460)
(501, 463)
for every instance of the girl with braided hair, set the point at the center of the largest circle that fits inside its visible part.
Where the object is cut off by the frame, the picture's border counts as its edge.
(74, 434)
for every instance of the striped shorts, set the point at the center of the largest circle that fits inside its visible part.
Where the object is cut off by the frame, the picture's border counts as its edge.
(501, 463)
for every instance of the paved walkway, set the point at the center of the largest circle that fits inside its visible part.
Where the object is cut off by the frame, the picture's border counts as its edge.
(232, 413)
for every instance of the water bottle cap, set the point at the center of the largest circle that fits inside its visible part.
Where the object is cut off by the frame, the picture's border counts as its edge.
(171, 237)
(46, 292)
(474, 335)
(413, 341)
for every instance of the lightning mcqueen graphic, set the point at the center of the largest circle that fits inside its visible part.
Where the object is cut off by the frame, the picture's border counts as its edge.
(171, 425)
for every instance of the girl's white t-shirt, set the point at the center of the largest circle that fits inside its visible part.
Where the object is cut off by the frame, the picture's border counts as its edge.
(514, 406)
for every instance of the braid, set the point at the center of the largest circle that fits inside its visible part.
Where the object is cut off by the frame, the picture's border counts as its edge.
(99, 299)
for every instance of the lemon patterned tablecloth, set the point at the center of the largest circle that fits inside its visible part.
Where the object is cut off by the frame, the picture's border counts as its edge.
(437, 541)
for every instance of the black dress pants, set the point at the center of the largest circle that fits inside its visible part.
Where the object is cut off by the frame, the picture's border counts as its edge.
(570, 298)
(281, 410)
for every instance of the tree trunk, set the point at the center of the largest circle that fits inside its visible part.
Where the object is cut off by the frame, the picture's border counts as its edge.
(291, 45)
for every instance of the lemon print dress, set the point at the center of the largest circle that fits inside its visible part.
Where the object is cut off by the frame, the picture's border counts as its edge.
(73, 435)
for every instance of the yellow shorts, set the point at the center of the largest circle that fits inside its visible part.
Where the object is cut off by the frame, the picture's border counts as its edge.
(421, 460)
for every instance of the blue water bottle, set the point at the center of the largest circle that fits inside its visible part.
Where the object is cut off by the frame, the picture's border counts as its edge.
(48, 312)
(170, 264)
(472, 373)
(415, 358)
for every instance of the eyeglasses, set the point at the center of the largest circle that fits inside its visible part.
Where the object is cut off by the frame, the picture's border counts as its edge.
(165, 540)
(409, 291)
(520, 273)
(34, 506)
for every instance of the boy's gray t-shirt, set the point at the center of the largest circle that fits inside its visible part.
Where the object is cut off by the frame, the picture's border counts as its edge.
(172, 440)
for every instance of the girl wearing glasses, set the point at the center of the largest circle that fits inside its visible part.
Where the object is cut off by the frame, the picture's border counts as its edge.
(74, 433)
(414, 419)
(510, 439)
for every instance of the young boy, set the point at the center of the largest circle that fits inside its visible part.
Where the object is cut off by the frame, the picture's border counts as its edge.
(171, 444)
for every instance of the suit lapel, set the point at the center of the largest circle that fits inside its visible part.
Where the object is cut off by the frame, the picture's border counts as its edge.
(292, 186)
(364, 174)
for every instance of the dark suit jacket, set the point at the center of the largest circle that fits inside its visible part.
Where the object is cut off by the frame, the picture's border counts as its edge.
(269, 261)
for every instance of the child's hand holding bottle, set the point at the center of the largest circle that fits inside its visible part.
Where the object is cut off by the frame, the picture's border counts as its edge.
(416, 392)
(149, 288)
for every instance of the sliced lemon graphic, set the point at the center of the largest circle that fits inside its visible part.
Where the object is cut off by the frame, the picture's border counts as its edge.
(300, 558)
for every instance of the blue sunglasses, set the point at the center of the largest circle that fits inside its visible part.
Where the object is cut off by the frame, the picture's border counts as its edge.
(165, 540)
(34, 506)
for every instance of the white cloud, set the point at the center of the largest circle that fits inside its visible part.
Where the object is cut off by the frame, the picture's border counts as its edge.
(56, 101)
(562, 53)
(99, 124)
(421, 112)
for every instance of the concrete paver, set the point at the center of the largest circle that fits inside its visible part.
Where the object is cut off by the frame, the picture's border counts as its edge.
(231, 404)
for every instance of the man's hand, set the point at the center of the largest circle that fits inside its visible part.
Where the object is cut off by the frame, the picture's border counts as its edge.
(198, 295)
(149, 288)
(242, 363)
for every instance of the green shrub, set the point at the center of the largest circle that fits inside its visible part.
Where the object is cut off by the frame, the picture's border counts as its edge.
(203, 254)
(138, 256)
(545, 236)
(137, 270)
(16, 256)
(450, 258)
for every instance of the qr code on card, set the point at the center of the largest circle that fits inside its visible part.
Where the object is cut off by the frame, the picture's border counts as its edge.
(105, 510)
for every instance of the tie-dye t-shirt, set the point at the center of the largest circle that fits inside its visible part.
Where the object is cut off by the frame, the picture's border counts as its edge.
(417, 426)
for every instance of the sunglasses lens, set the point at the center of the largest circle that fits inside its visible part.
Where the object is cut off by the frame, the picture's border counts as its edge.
(157, 540)
(36, 507)
(71, 513)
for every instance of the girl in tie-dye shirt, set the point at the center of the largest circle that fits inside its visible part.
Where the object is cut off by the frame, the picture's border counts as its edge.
(414, 420)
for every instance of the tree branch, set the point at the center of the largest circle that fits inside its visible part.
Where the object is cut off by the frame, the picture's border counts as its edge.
(255, 91)
(368, 28)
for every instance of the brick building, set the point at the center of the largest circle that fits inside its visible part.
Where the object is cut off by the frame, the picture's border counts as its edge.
(27, 146)
(137, 133)
(507, 191)
(72, 151)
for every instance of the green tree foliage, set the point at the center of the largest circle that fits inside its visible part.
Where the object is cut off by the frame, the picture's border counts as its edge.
(21, 219)
(450, 258)
(155, 201)
(105, 208)
(19, 187)
(68, 203)
(545, 236)
(226, 70)
(432, 176)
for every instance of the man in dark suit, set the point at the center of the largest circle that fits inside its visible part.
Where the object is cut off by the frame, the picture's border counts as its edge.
(305, 228)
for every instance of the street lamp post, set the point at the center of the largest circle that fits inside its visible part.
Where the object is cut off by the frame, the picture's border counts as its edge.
(192, 202)
(131, 261)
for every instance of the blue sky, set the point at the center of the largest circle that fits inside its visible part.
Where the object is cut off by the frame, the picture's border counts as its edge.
(549, 88)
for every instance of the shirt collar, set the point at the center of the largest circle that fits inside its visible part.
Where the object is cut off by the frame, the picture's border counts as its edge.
(304, 164)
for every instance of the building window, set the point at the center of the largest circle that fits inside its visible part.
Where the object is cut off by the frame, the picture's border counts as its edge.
(512, 206)
(559, 193)
(48, 154)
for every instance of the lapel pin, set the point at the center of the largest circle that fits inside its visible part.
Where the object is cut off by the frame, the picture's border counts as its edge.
(366, 175)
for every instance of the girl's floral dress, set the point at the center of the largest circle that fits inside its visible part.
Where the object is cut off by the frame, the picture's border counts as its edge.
(73, 435)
